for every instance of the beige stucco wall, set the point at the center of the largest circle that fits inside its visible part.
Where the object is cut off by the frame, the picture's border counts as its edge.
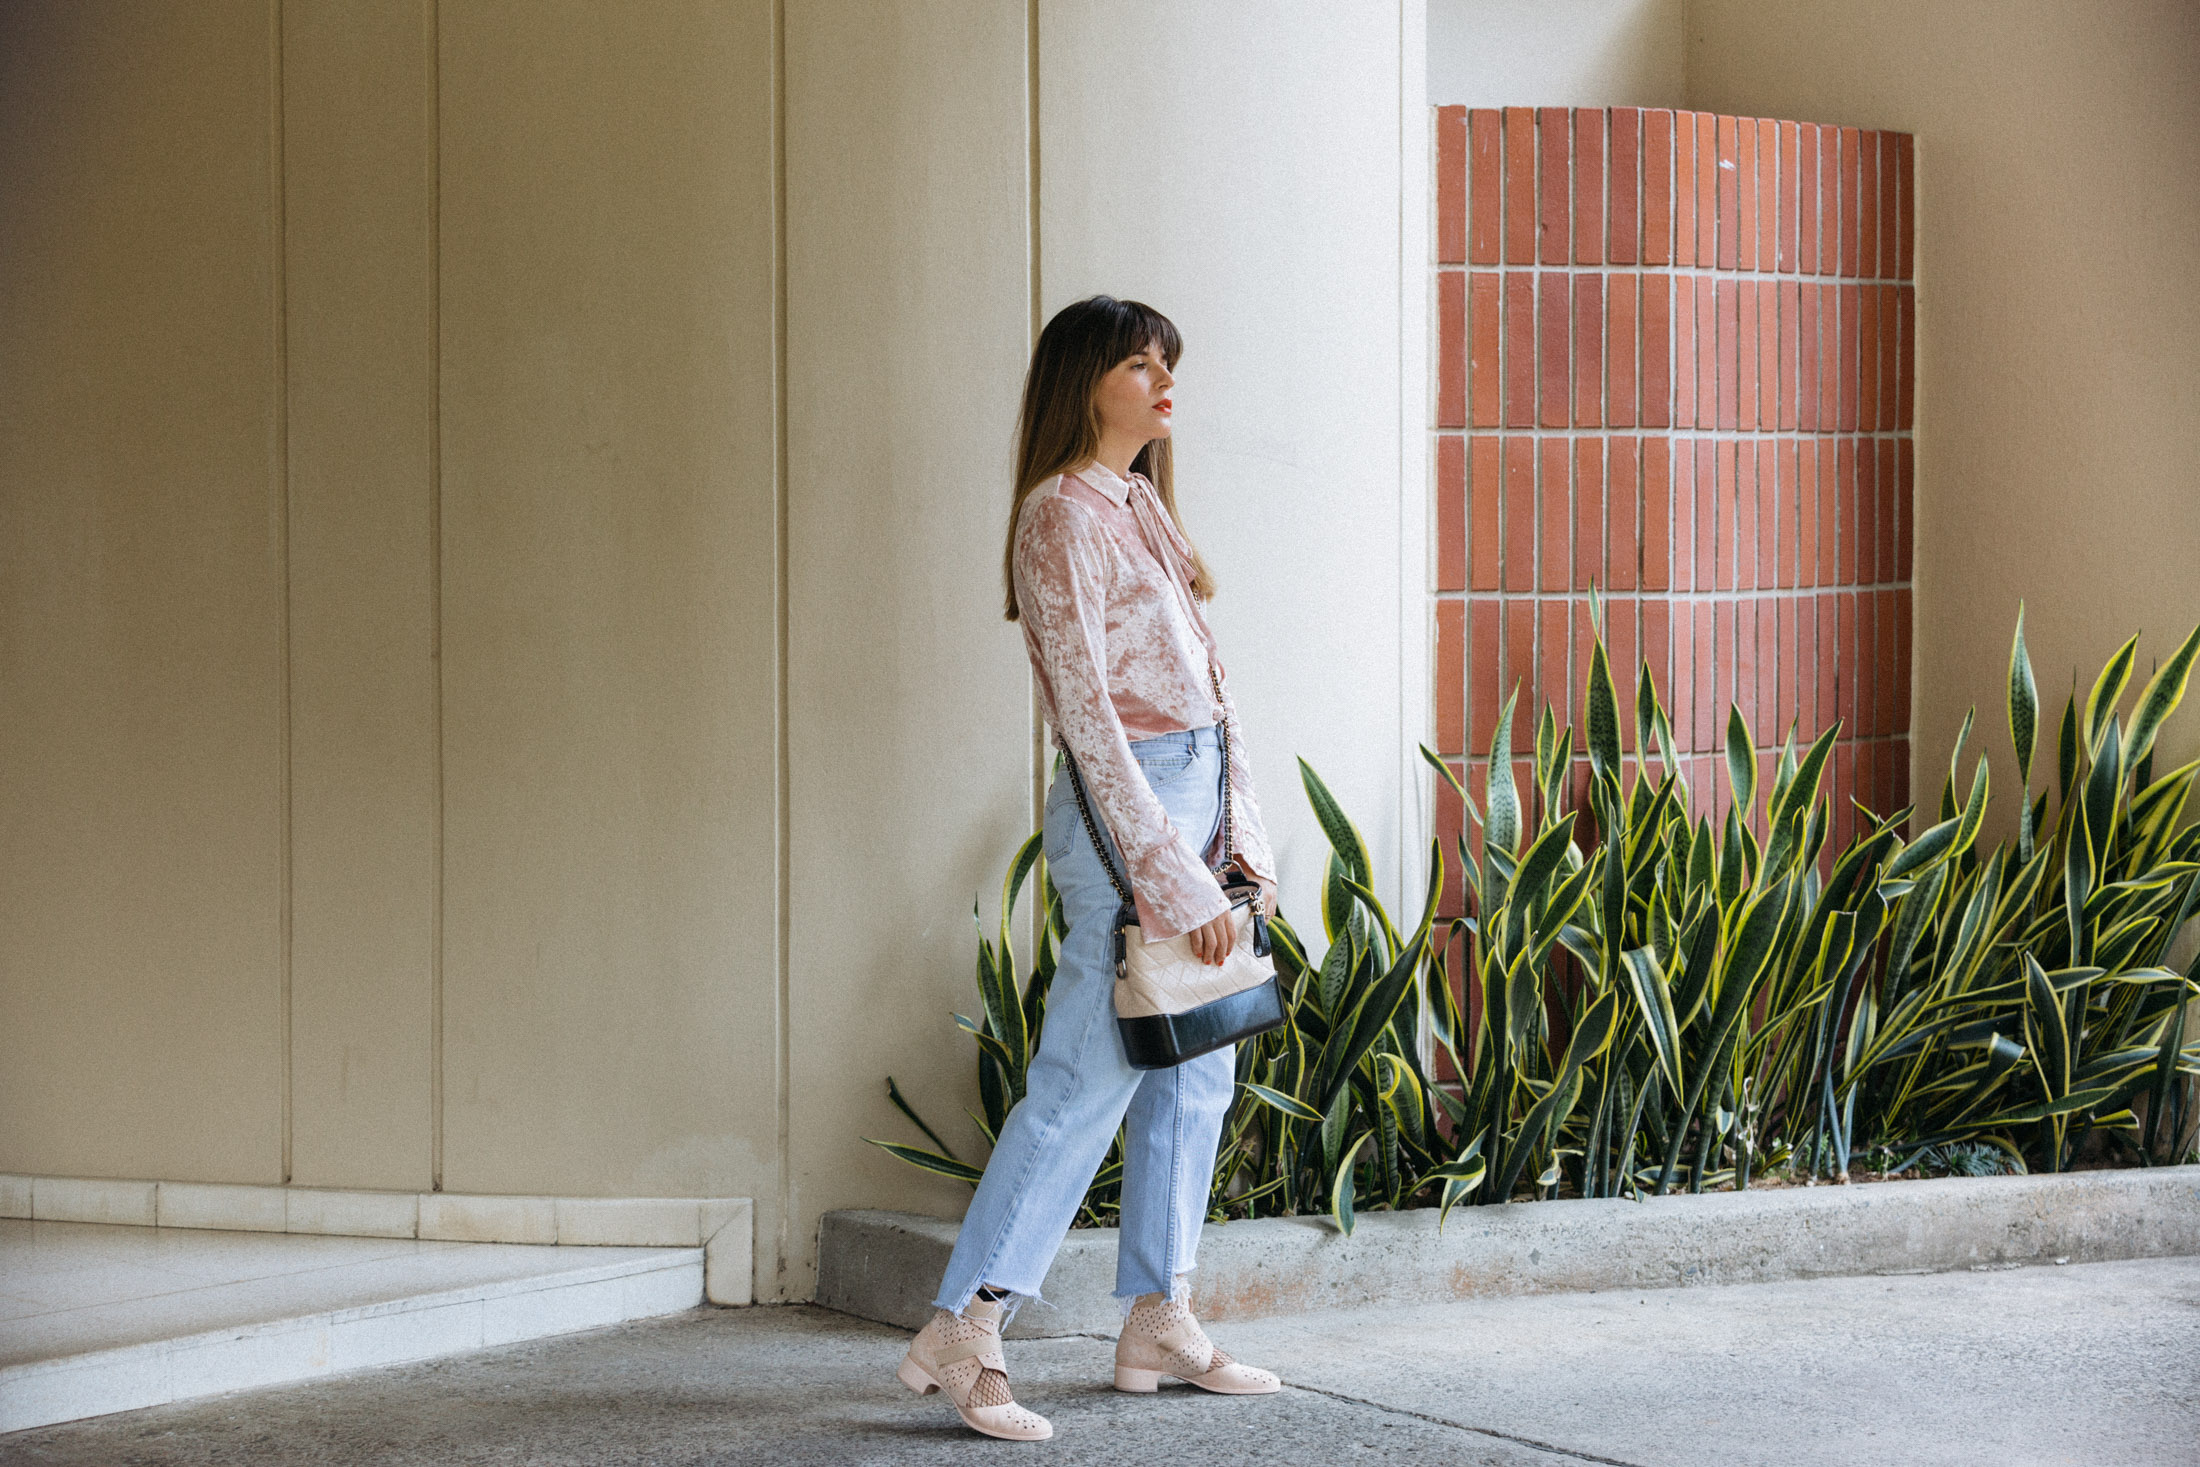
(2058, 416)
(499, 531)
(1556, 53)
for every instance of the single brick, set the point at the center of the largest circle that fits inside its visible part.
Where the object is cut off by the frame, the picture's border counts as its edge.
(1554, 186)
(1589, 123)
(1485, 194)
(1486, 498)
(1451, 512)
(1451, 185)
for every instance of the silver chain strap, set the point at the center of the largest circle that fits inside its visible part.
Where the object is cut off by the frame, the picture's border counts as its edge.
(1092, 828)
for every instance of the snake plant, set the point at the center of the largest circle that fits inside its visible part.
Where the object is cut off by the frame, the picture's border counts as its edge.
(1639, 996)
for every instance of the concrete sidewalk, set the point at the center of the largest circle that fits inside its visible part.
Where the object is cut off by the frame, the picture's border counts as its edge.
(2091, 1364)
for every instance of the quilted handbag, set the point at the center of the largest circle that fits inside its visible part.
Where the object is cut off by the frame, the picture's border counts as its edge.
(1170, 1006)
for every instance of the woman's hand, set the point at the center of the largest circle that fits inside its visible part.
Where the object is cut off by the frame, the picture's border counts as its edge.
(1212, 941)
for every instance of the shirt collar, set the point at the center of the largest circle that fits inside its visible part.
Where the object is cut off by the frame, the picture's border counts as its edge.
(1106, 480)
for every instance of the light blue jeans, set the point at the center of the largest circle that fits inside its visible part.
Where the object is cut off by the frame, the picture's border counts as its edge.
(1080, 1087)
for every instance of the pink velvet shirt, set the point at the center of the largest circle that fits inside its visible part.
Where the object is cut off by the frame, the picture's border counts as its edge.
(1121, 647)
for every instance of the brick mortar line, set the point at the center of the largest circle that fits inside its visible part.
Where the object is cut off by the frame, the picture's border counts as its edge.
(1681, 435)
(1737, 593)
(1675, 272)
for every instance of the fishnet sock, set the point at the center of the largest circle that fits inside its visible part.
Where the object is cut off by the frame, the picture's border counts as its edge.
(1154, 1315)
(992, 1387)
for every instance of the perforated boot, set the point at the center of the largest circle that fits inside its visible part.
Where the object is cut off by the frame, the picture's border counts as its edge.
(1162, 1338)
(961, 1355)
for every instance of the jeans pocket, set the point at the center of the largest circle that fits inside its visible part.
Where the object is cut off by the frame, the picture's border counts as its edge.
(1166, 767)
(1061, 823)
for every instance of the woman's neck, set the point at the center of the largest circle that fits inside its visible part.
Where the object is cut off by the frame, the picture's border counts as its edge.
(1118, 454)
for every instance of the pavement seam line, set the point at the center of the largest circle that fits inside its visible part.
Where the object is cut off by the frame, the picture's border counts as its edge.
(1385, 1406)
(1505, 1436)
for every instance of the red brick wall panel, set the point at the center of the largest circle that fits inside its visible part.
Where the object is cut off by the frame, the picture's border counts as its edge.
(1756, 545)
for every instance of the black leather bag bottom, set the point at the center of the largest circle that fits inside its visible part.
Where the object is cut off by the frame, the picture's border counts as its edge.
(1159, 1041)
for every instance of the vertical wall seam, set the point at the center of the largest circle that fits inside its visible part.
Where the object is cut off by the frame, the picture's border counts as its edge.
(1039, 760)
(783, 955)
(279, 452)
(433, 123)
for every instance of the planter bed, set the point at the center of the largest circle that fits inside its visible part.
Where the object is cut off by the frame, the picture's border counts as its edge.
(885, 1265)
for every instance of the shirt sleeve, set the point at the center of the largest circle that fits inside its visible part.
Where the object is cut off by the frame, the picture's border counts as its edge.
(1062, 571)
(1249, 835)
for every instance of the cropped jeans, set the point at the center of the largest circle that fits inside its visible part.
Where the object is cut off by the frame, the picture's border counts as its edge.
(1080, 1087)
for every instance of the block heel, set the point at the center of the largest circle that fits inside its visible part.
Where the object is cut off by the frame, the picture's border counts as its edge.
(1137, 1382)
(912, 1375)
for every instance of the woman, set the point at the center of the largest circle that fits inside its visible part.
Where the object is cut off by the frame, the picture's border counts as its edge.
(1110, 594)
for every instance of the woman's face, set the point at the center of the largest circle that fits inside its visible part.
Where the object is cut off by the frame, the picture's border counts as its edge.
(1133, 398)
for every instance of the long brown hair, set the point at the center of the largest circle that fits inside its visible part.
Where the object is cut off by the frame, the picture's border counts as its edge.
(1059, 427)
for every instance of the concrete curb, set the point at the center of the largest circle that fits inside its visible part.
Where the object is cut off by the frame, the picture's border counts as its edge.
(886, 1265)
